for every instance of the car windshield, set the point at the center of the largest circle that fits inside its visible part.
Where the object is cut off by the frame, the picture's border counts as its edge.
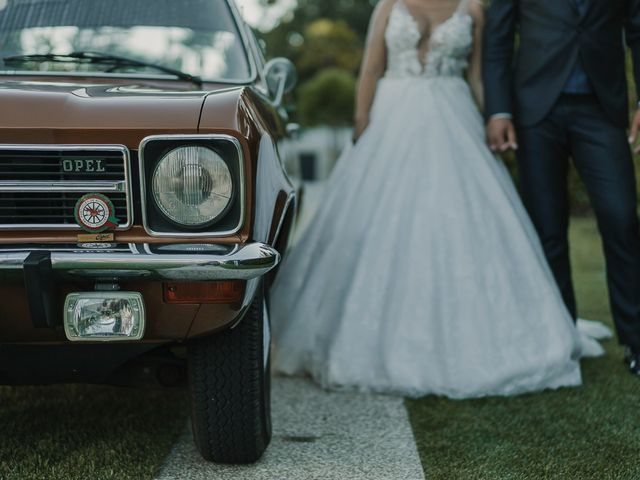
(197, 37)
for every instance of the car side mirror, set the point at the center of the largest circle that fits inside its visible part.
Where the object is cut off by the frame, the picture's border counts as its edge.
(281, 77)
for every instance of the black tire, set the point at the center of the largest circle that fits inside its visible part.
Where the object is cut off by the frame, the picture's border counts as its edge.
(230, 391)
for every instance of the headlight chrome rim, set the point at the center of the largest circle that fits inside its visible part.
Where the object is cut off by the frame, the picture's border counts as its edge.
(218, 213)
(154, 222)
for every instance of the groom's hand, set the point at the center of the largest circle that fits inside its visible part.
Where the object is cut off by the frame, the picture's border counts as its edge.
(635, 131)
(501, 135)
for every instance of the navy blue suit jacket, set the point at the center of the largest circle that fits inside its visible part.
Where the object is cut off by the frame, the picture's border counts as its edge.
(526, 79)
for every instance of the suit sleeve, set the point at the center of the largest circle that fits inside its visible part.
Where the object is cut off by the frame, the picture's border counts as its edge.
(498, 51)
(632, 35)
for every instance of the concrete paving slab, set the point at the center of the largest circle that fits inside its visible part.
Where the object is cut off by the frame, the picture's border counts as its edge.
(318, 435)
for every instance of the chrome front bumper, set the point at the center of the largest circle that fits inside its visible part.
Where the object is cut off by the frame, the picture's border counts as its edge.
(149, 262)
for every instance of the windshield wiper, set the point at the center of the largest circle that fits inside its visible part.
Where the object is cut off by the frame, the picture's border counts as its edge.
(98, 58)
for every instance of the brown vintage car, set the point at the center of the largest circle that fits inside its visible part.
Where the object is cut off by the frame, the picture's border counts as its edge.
(143, 204)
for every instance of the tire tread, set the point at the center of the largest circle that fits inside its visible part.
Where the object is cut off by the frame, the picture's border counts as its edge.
(229, 392)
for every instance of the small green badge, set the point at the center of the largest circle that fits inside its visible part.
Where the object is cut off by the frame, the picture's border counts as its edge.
(95, 213)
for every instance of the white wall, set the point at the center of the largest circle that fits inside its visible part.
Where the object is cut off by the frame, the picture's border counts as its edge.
(316, 151)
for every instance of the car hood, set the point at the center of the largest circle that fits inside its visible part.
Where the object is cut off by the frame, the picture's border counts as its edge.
(56, 112)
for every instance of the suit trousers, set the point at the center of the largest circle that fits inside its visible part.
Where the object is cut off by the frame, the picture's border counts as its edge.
(578, 129)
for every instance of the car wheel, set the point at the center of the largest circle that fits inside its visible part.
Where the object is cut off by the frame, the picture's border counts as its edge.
(229, 381)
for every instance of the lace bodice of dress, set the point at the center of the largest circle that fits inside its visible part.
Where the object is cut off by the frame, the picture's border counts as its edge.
(450, 44)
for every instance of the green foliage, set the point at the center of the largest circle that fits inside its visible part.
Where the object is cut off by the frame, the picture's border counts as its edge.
(327, 98)
(334, 29)
(318, 36)
(355, 13)
(328, 44)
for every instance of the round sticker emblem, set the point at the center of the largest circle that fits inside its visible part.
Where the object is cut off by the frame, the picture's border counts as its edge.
(95, 213)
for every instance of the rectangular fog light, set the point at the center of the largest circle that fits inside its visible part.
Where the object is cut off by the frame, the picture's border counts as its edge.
(104, 316)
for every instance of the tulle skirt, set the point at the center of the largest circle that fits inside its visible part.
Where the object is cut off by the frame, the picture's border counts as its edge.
(421, 272)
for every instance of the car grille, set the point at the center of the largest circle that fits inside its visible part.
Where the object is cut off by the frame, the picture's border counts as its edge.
(40, 186)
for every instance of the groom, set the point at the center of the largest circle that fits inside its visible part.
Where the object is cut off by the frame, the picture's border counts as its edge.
(562, 94)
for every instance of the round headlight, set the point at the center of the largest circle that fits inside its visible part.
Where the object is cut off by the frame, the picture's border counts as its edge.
(192, 186)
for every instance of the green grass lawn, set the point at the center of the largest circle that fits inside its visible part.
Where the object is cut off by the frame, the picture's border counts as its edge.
(86, 432)
(592, 432)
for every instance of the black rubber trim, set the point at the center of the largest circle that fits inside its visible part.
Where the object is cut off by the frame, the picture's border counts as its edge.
(42, 295)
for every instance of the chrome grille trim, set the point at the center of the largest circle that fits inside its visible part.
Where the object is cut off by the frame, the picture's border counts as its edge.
(70, 186)
(62, 186)
(116, 248)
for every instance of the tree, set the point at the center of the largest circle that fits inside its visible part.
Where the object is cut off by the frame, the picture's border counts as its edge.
(318, 35)
(328, 44)
(350, 18)
(327, 98)
(355, 13)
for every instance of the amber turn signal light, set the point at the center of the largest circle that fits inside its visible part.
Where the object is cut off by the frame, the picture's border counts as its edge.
(204, 292)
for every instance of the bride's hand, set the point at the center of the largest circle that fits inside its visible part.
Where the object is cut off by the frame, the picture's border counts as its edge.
(359, 128)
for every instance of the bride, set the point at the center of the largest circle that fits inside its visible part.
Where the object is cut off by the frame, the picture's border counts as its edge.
(421, 272)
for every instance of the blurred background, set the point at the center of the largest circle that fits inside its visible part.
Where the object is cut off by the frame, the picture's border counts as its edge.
(325, 39)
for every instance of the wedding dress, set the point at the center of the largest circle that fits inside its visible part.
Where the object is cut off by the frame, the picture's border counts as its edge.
(421, 272)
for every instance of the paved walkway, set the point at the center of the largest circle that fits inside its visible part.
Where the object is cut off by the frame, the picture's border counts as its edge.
(318, 435)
